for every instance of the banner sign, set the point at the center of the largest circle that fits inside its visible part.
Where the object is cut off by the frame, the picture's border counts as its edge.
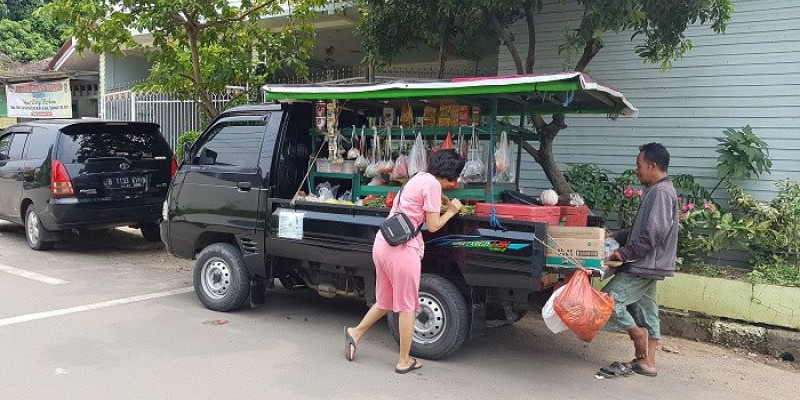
(52, 99)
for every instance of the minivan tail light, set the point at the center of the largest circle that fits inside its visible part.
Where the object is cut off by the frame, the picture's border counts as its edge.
(174, 167)
(60, 182)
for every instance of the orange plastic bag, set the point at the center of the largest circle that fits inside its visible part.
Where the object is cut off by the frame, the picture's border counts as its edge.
(584, 310)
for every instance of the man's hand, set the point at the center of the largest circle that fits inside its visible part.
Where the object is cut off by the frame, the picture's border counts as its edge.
(616, 256)
(454, 206)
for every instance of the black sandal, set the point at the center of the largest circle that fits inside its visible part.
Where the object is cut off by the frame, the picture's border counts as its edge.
(412, 367)
(615, 370)
(349, 346)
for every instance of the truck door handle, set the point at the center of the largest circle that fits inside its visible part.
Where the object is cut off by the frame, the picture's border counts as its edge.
(244, 186)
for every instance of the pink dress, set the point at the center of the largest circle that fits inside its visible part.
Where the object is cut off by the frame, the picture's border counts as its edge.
(398, 268)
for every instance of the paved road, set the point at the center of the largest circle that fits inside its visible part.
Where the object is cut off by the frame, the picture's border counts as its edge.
(95, 336)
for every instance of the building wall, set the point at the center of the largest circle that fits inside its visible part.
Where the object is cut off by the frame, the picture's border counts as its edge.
(746, 76)
(122, 71)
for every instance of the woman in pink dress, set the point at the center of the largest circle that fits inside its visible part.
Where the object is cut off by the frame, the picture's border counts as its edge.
(398, 268)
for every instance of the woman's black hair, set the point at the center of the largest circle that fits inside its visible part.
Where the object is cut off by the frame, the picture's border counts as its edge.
(446, 164)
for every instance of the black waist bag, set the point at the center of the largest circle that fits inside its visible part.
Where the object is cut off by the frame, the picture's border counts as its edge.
(398, 228)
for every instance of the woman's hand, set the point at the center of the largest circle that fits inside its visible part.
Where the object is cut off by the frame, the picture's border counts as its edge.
(454, 206)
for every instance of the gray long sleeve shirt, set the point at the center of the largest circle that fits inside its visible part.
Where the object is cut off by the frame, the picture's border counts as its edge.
(650, 246)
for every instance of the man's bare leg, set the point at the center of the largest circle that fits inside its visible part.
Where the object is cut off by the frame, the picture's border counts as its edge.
(640, 337)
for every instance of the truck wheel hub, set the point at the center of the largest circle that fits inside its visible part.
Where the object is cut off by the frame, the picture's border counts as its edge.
(430, 322)
(216, 278)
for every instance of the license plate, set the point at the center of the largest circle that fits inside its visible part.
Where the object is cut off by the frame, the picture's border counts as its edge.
(125, 182)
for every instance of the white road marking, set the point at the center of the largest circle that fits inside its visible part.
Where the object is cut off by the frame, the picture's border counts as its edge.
(64, 311)
(31, 275)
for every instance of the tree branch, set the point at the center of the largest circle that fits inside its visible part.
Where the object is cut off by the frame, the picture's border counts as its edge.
(502, 33)
(589, 52)
(530, 60)
(240, 17)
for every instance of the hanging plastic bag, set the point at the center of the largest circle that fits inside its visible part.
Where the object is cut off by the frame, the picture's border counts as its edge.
(551, 318)
(474, 168)
(353, 153)
(387, 165)
(400, 170)
(373, 168)
(501, 155)
(418, 159)
(361, 161)
(582, 308)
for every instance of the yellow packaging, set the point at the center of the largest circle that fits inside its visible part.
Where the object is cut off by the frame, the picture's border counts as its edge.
(429, 116)
(406, 116)
(444, 116)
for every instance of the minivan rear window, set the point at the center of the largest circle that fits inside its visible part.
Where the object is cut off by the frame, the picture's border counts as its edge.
(82, 142)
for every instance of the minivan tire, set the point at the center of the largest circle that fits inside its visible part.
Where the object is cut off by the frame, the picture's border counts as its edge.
(221, 279)
(446, 317)
(150, 231)
(34, 231)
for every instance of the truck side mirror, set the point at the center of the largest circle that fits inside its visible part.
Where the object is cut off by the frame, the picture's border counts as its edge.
(187, 153)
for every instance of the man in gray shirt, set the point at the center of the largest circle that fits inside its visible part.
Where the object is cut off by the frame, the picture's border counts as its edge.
(648, 252)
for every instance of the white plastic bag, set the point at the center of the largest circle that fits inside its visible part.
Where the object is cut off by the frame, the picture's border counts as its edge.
(362, 161)
(353, 153)
(501, 155)
(418, 159)
(474, 169)
(387, 165)
(551, 318)
(373, 168)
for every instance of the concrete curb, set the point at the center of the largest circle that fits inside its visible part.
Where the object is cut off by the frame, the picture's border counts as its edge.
(773, 341)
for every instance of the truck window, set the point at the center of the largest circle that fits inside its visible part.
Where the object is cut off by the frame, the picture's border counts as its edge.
(232, 143)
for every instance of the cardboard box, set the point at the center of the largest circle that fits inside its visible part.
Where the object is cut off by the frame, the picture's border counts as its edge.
(578, 248)
(576, 232)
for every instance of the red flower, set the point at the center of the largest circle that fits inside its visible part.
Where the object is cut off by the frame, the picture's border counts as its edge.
(628, 192)
(688, 206)
(639, 192)
(709, 206)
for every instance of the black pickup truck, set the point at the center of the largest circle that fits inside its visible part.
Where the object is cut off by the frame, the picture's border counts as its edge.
(230, 209)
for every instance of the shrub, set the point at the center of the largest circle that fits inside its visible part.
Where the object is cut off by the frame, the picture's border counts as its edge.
(188, 137)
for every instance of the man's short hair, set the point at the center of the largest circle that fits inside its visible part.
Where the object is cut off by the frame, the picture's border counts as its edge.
(656, 153)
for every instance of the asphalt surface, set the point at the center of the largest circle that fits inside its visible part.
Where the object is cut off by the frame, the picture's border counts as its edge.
(126, 325)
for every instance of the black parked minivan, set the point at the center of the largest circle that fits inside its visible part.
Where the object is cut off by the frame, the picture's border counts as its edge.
(58, 175)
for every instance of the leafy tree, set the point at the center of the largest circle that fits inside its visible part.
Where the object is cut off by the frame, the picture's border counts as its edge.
(199, 46)
(26, 36)
(661, 24)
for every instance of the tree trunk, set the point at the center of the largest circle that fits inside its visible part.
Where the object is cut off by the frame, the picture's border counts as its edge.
(443, 48)
(502, 33)
(530, 60)
(201, 91)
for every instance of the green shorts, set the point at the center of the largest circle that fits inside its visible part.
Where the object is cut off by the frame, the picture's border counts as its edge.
(636, 304)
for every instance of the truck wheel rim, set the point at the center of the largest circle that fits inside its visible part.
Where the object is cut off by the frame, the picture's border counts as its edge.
(216, 278)
(33, 228)
(430, 323)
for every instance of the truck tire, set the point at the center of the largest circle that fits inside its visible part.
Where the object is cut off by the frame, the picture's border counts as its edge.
(221, 279)
(150, 231)
(34, 231)
(442, 325)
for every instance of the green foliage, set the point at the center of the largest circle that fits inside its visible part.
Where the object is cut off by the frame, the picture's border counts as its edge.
(775, 270)
(742, 155)
(25, 35)
(707, 230)
(662, 23)
(188, 137)
(198, 46)
(608, 197)
(22, 42)
(781, 215)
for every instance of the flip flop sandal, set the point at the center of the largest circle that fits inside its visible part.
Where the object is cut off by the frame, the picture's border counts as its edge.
(414, 366)
(638, 369)
(615, 370)
(349, 346)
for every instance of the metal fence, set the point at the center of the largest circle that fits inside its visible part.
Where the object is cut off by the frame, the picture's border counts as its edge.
(174, 115)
